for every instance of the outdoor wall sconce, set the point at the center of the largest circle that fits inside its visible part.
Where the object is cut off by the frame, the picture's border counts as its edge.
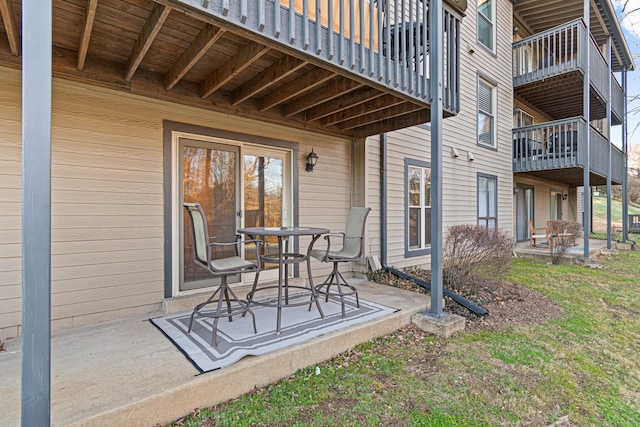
(516, 190)
(312, 159)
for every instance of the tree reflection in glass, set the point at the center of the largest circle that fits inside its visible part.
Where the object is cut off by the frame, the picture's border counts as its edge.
(263, 190)
(209, 178)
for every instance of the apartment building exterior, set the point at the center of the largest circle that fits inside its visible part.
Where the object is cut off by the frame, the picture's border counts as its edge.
(568, 102)
(159, 102)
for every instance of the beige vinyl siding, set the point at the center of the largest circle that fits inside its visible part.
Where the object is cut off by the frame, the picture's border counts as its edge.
(538, 117)
(107, 197)
(460, 132)
(372, 198)
(10, 205)
(542, 200)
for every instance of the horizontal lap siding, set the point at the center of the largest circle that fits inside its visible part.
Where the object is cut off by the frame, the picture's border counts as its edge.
(459, 182)
(107, 197)
(373, 179)
(10, 205)
(542, 189)
(325, 193)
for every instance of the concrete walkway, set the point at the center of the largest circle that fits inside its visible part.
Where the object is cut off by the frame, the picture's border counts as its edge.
(126, 373)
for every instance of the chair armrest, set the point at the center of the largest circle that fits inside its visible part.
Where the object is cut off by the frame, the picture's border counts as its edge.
(237, 244)
(328, 236)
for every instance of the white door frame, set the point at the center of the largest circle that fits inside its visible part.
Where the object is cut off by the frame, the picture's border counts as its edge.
(176, 208)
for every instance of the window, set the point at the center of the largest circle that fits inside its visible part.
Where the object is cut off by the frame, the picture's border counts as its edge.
(486, 23)
(486, 113)
(418, 207)
(521, 118)
(487, 200)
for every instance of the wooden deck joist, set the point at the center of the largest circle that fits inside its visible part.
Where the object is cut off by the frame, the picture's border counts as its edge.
(168, 50)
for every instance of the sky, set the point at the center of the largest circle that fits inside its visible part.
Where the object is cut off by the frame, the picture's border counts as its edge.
(630, 19)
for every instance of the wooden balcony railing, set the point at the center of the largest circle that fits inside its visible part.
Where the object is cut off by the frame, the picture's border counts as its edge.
(386, 42)
(560, 50)
(561, 144)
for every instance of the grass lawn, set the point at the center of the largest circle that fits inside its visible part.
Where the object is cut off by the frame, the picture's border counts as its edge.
(600, 210)
(584, 366)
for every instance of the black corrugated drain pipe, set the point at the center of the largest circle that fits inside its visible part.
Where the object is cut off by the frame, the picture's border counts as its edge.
(457, 298)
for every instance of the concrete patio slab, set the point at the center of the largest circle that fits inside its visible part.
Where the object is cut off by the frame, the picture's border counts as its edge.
(572, 255)
(126, 373)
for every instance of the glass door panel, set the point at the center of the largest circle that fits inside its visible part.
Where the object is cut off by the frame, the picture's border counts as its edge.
(264, 180)
(524, 211)
(556, 205)
(209, 175)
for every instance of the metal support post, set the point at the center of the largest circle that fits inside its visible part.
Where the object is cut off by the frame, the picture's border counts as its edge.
(586, 113)
(625, 155)
(436, 74)
(609, 170)
(36, 212)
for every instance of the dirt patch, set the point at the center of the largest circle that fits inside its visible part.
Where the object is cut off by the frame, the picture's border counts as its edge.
(508, 304)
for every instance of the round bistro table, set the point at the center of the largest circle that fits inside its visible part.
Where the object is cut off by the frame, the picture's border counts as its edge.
(284, 258)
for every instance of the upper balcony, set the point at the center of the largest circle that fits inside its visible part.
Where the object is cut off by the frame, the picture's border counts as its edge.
(548, 72)
(342, 67)
(557, 151)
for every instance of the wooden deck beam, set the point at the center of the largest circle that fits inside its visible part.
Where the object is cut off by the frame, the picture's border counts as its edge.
(342, 103)
(87, 28)
(385, 114)
(10, 26)
(335, 88)
(392, 124)
(310, 80)
(368, 107)
(207, 37)
(145, 39)
(234, 66)
(276, 72)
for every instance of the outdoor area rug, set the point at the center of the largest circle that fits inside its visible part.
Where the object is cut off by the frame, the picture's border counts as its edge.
(236, 339)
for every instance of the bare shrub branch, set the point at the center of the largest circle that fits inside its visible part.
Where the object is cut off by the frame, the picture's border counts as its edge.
(473, 250)
(564, 234)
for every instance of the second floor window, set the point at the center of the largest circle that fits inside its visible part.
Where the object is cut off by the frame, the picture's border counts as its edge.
(486, 113)
(486, 23)
(419, 207)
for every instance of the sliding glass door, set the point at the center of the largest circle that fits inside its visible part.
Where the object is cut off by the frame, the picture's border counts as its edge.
(264, 195)
(209, 176)
(241, 185)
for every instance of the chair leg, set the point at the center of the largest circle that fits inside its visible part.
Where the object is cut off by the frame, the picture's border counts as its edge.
(246, 308)
(250, 295)
(214, 333)
(340, 282)
(225, 296)
(353, 289)
(314, 294)
(200, 306)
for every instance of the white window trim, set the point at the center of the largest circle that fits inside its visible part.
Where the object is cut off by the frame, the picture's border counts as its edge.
(493, 22)
(177, 209)
(423, 248)
(494, 107)
(495, 202)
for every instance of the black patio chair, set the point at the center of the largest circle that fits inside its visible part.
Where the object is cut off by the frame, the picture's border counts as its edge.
(220, 267)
